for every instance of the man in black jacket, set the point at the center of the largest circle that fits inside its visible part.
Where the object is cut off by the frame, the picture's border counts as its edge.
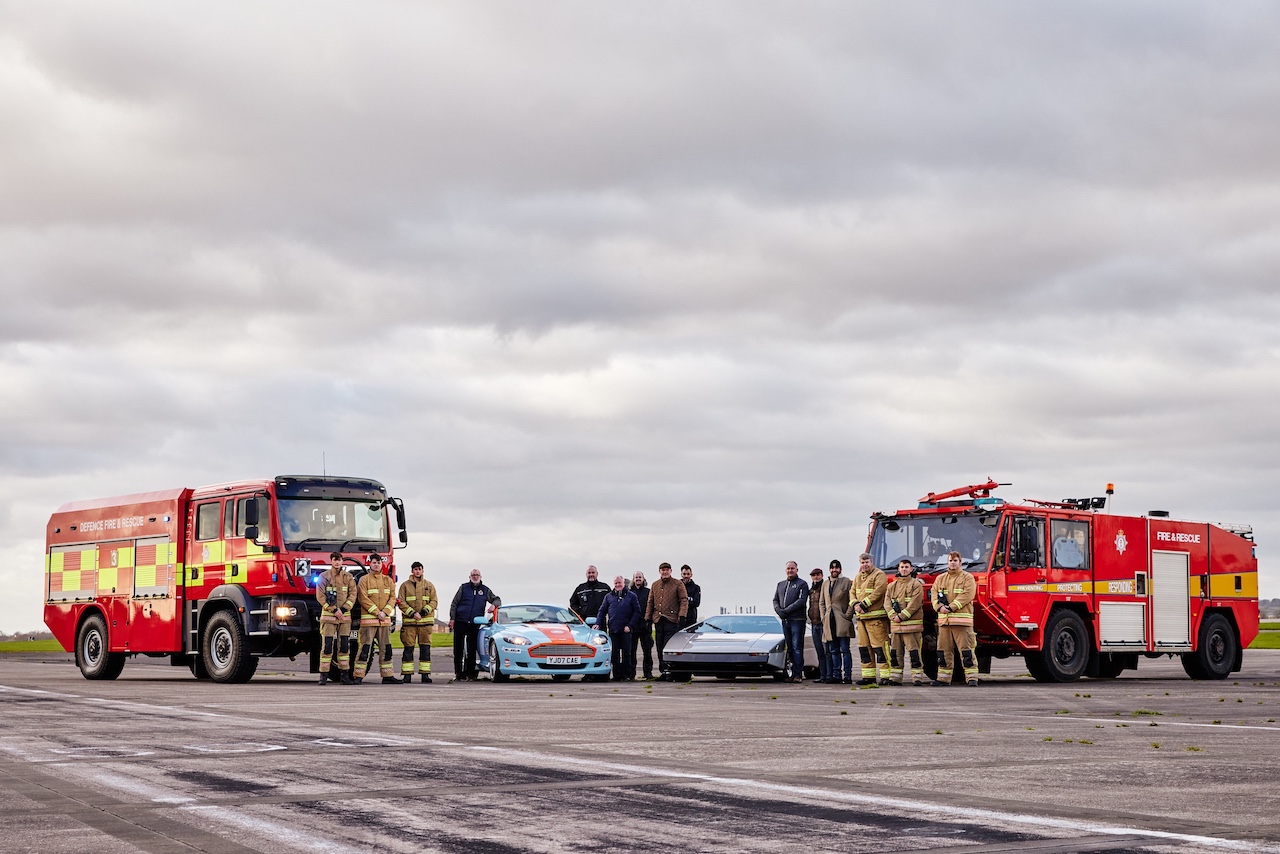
(642, 631)
(791, 604)
(589, 595)
(695, 595)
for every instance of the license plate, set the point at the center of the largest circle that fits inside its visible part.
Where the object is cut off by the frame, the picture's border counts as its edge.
(563, 659)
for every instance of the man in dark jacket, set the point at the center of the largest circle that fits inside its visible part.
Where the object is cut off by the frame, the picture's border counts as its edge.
(472, 600)
(695, 594)
(667, 608)
(618, 615)
(791, 604)
(642, 631)
(587, 596)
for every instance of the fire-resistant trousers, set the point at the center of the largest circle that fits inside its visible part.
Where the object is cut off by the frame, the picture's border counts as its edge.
(904, 657)
(335, 642)
(873, 647)
(953, 640)
(420, 637)
(368, 636)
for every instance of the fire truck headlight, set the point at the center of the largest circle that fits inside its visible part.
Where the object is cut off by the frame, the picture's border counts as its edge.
(284, 612)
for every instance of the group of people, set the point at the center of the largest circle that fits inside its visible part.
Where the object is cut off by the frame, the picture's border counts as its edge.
(639, 618)
(885, 618)
(375, 595)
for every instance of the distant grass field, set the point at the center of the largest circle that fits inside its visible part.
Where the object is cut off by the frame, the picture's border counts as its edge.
(1269, 637)
(30, 646)
(1270, 625)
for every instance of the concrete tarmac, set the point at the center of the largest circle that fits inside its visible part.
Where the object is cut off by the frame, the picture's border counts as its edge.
(158, 762)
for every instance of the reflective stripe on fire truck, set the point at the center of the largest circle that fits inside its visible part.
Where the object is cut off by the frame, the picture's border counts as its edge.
(1221, 586)
(155, 567)
(207, 554)
(71, 573)
(115, 568)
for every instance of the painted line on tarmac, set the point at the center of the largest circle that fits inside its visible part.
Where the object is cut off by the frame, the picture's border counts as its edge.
(103, 701)
(944, 815)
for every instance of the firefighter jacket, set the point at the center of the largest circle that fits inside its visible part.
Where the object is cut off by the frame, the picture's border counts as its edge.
(669, 600)
(343, 587)
(418, 597)
(904, 598)
(868, 591)
(377, 600)
(836, 622)
(960, 589)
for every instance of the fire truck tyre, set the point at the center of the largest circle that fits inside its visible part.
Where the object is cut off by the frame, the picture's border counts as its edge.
(1036, 667)
(495, 670)
(92, 657)
(197, 667)
(1215, 653)
(1066, 646)
(226, 650)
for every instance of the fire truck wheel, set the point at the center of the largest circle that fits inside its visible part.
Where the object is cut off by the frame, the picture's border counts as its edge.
(1215, 654)
(1035, 666)
(226, 651)
(92, 657)
(1066, 646)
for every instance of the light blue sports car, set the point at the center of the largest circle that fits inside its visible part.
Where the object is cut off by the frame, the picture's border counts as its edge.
(543, 640)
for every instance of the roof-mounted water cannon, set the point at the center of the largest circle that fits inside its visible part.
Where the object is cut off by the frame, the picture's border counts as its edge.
(977, 493)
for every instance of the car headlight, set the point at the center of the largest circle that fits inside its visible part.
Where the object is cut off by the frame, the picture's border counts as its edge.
(515, 639)
(600, 640)
(780, 647)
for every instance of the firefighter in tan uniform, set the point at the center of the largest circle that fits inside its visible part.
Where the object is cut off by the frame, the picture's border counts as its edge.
(377, 594)
(417, 601)
(904, 601)
(952, 597)
(866, 601)
(336, 593)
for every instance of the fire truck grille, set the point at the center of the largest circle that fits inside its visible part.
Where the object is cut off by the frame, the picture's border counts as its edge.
(547, 649)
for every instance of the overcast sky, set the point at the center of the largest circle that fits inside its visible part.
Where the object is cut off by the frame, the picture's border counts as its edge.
(617, 284)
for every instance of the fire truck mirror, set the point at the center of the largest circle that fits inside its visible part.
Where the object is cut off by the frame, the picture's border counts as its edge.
(251, 531)
(251, 518)
(399, 508)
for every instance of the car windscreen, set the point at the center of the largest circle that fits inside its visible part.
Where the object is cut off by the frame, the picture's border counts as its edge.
(326, 522)
(926, 541)
(536, 614)
(745, 624)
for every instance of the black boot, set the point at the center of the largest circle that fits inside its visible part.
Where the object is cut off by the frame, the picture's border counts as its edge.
(390, 680)
(346, 678)
(425, 677)
(324, 677)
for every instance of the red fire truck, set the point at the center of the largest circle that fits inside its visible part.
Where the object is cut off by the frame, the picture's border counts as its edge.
(1077, 591)
(214, 577)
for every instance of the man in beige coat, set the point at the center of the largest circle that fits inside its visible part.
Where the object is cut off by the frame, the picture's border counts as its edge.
(837, 623)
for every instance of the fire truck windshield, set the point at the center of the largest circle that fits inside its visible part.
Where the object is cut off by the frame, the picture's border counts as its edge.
(926, 540)
(326, 522)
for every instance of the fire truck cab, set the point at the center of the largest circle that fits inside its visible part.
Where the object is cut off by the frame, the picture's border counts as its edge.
(214, 577)
(1078, 591)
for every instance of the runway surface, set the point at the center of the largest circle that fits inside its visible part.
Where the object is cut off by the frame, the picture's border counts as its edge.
(158, 762)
